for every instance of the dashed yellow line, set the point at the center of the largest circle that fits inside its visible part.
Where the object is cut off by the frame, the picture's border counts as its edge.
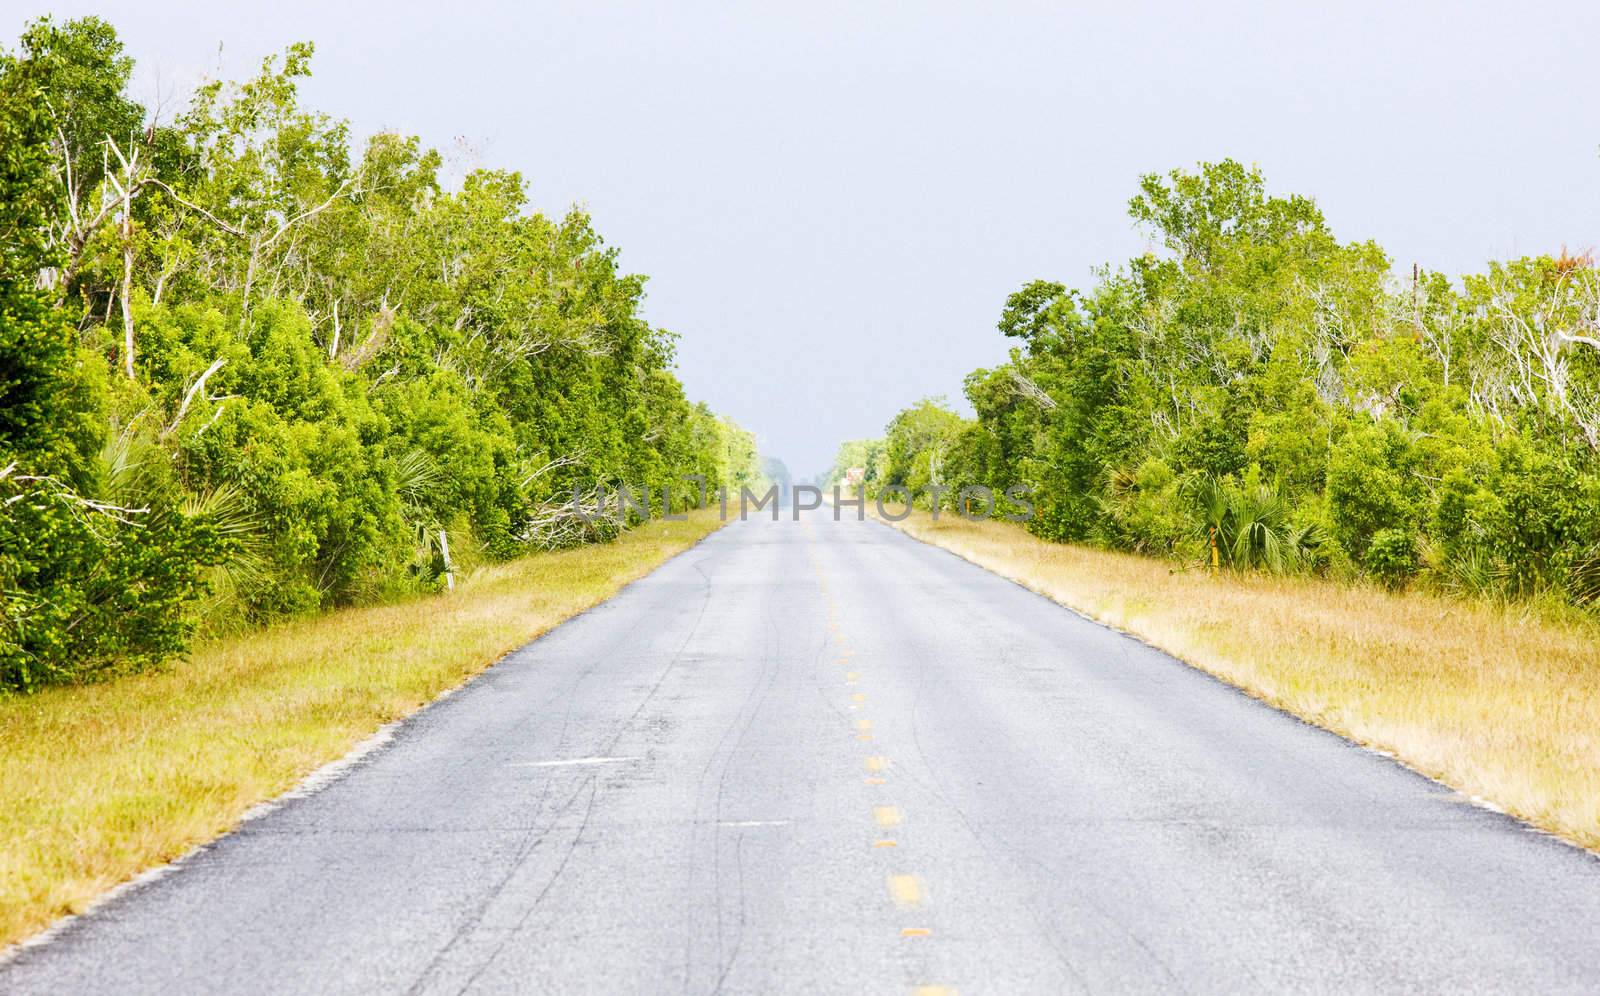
(905, 890)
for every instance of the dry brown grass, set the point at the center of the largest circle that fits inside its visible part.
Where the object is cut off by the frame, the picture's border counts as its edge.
(1500, 702)
(101, 782)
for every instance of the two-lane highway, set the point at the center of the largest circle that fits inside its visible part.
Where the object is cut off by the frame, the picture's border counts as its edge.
(822, 757)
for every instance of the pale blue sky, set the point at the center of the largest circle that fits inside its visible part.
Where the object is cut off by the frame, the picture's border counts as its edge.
(832, 200)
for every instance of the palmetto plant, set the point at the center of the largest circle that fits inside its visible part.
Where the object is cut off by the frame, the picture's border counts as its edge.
(1250, 527)
(134, 470)
(1583, 581)
(244, 563)
(418, 478)
(129, 467)
(1471, 572)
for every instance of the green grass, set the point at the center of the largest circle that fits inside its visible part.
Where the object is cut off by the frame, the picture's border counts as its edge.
(101, 782)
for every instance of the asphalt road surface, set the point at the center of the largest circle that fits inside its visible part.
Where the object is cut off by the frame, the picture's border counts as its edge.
(822, 757)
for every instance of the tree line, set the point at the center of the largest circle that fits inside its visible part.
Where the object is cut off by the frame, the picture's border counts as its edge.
(250, 371)
(1259, 395)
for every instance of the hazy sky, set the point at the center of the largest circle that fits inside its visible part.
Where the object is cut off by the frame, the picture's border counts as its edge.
(832, 201)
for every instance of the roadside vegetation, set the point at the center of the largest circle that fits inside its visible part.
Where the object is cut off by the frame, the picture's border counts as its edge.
(1371, 499)
(102, 781)
(250, 371)
(1259, 389)
(1494, 698)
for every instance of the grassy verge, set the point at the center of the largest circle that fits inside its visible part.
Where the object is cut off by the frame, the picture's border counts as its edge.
(101, 782)
(1497, 701)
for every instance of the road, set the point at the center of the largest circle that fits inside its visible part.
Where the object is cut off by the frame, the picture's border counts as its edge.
(821, 757)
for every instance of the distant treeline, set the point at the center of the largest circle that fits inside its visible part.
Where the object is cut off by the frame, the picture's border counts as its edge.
(1264, 391)
(248, 371)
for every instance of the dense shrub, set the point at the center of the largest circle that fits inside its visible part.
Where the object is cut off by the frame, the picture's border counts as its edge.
(248, 371)
(1391, 557)
(88, 586)
(1264, 384)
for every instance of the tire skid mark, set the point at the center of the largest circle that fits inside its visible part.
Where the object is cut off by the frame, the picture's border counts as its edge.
(591, 781)
(724, 753)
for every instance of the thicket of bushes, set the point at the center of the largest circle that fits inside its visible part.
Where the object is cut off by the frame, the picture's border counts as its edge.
(248, 371)
(1264, 384)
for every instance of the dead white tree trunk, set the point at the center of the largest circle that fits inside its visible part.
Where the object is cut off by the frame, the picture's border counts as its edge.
(127, 188)
(333, 347)
(127, 294)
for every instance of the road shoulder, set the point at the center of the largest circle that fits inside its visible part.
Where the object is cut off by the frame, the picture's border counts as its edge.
(1494, 701)
(106, 783)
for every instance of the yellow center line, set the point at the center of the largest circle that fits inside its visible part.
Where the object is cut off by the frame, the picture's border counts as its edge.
(905, 890)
